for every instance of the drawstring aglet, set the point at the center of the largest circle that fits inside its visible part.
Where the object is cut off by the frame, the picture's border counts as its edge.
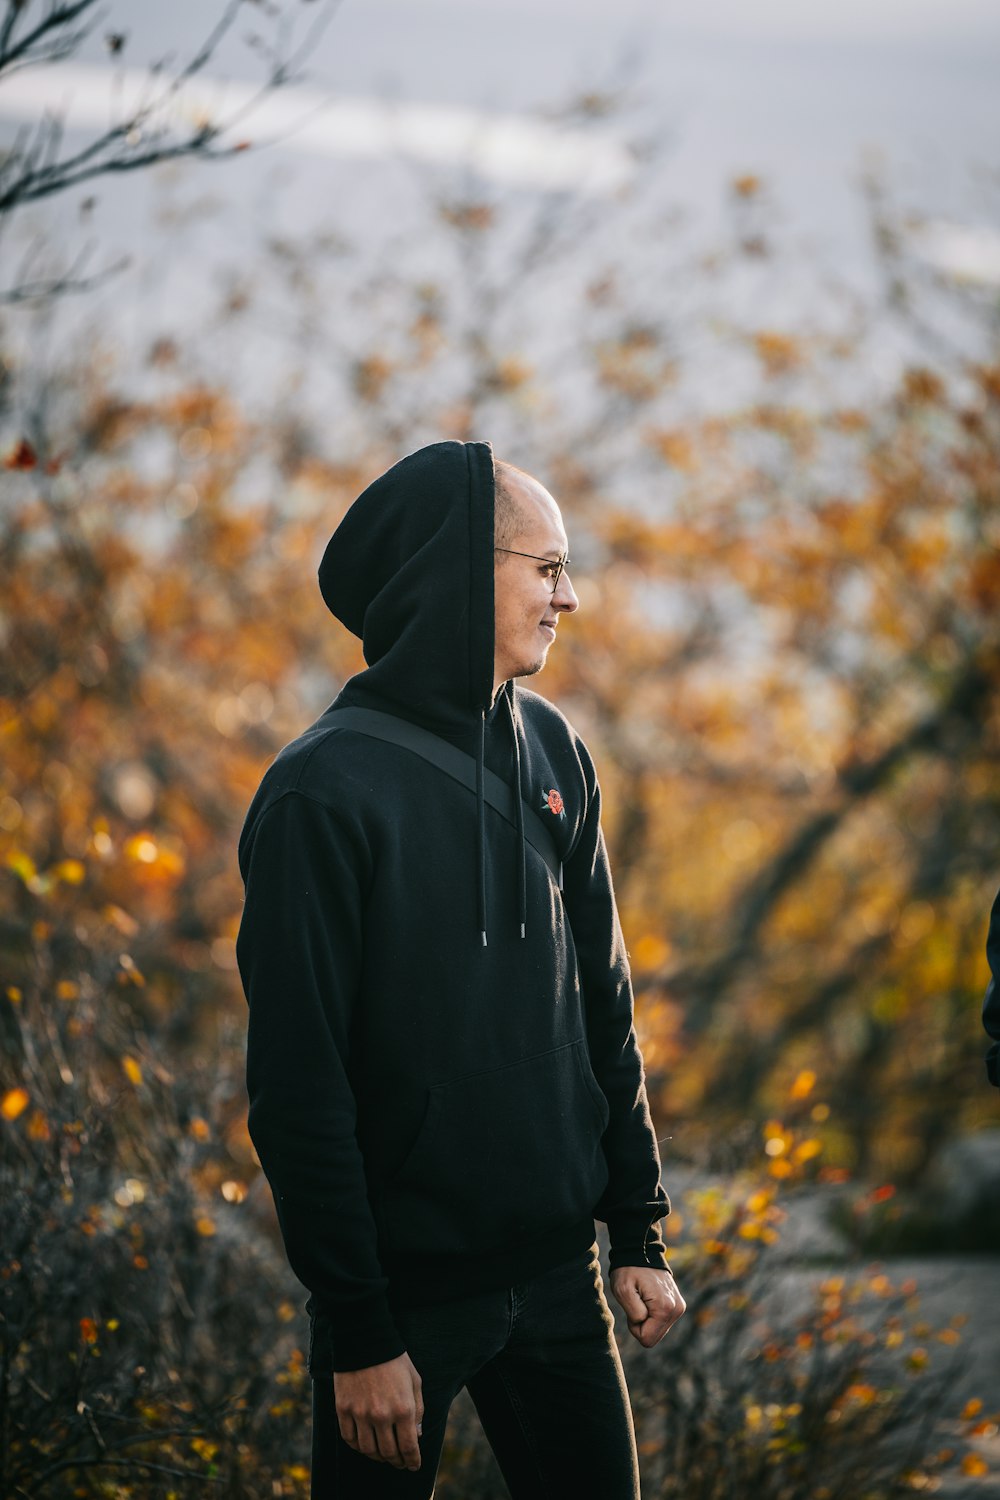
(522, 929)
(483, 936)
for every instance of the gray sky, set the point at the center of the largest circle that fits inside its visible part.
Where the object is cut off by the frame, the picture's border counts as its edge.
(848, 19)
(798, 94)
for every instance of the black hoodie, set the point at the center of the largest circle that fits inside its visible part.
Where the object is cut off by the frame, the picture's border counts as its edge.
(445, 1085)
(991, 1000)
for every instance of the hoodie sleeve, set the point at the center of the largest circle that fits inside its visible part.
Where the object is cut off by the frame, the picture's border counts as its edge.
(299, 956)
(991, 1000)
(634, 1200)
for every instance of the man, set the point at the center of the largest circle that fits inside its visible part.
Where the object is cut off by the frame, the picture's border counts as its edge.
(445, 1086)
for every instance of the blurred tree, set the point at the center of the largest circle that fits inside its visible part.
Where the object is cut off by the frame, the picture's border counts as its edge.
(41, 163)
(787, 664)
(790, 679)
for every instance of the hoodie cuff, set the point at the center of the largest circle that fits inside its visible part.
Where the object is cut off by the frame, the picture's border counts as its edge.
(635, 1240)
(993, 1064)
(351, 1338)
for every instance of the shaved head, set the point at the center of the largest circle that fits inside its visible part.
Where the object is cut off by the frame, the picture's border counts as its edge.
(509, 514)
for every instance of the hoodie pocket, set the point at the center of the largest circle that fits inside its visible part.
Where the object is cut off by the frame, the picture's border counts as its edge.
(502, 1157)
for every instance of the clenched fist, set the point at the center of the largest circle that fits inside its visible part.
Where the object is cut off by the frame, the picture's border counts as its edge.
(650, 1299)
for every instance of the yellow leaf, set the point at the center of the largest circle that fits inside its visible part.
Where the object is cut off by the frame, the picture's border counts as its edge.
(133, 1072)
(803, 1085)
(675, 448)
(141, 849)
(778, 352)
(650, 951)
(205, 1226)
(120, 919)
(806, 1150)
(22, 864)
(14, 1103)
(72, 871)
(973, 1464)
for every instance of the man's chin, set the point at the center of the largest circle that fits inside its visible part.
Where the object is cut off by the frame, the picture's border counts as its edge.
(530, 671)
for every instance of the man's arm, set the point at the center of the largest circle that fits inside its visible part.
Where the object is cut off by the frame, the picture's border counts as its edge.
(299, 955)
(991, 1000)
(634, 1199)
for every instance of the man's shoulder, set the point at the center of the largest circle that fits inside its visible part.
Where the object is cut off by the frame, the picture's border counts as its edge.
(550, 726)
(337, 769)
(325, 763)
(544, 718)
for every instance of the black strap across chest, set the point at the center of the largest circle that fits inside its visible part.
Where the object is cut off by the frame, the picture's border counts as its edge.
(454, 763)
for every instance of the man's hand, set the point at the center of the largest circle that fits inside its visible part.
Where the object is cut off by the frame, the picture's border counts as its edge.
(380, 1410)
(650, 1300)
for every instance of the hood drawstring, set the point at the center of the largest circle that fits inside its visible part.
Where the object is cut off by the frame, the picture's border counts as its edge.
(481, 827)
(522, 903)
(522, 899)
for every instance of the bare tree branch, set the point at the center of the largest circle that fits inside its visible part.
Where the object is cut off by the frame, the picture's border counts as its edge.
(35, 168)
(968, 700)
(63, 42)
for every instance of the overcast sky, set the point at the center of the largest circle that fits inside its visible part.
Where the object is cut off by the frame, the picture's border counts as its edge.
(855, 19)
(428, 47)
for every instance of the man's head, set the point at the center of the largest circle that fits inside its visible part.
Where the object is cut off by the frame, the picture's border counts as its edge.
(530, 539)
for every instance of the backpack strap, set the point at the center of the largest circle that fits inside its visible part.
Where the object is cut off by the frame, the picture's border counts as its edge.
(454, 763)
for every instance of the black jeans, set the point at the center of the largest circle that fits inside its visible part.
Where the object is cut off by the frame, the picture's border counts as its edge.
(542, 1367)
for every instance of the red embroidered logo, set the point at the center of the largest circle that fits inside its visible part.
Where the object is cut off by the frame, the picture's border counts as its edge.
(554, 802)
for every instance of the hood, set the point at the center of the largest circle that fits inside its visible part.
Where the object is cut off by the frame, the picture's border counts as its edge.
(409, 570)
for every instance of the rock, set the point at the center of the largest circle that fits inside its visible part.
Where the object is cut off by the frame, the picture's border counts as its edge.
(962, 1186)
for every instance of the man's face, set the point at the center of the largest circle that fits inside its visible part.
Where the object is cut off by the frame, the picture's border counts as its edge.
(527, 611)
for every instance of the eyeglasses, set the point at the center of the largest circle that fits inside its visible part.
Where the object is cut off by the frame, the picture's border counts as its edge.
(557, 566)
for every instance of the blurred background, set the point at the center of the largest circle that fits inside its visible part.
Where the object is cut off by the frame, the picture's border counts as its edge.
(728, 282)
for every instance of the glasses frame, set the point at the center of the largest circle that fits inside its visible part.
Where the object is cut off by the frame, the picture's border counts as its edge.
(559, 563)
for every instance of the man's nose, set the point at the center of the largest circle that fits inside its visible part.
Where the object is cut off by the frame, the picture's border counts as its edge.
(565, 594)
